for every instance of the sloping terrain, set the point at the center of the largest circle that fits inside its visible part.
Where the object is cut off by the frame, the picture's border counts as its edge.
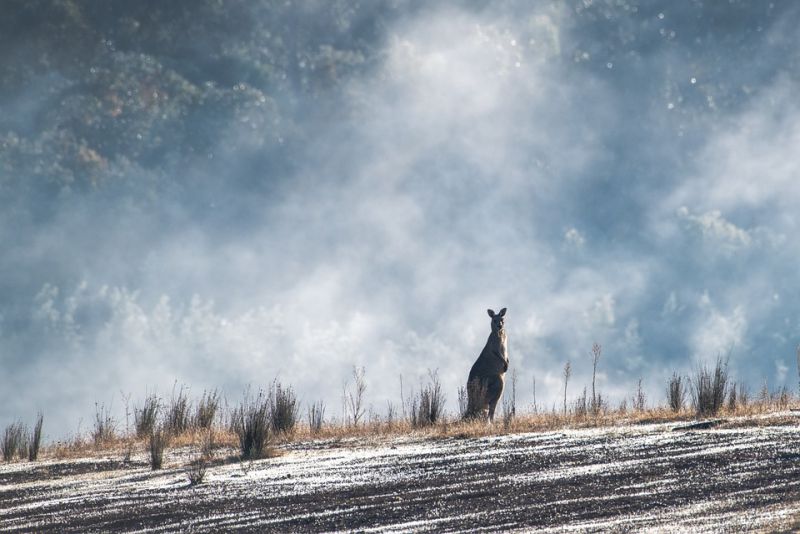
(648, 476)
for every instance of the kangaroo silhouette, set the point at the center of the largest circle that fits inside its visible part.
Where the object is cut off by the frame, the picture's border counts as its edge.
(487, 376)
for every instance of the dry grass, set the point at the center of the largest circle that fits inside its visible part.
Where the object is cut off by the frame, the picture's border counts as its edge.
(253, 420)
(210, 442)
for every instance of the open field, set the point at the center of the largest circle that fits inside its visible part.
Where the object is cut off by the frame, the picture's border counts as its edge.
(740, 475)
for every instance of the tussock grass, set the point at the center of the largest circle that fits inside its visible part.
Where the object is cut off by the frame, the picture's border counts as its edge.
(35, 439)
(14, 441)
(709, 388)
(144, 418)
(283, 409)
(196, 472)
(105, 426)
(676, 393)
(427, 408)
(159, 440)
(177, 418)
(206, 410)
(251, 423)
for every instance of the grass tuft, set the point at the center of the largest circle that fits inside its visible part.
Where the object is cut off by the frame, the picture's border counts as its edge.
(144, 418)
(709, 388)
(159, 440)
(105, 426)
(14, 441)
(316, 417)
(676, 393)
(177, 416)
(428, 407)
(206, 410)
(197, 470)
(283, 409)
(251, 424)
(35, 440)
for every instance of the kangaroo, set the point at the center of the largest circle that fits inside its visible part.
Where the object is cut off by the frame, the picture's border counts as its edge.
(487, 376)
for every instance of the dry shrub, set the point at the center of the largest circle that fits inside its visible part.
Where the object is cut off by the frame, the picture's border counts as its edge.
(676, 393)
(159, 439)
(639, 398)
(510, 402)
(316, 416)
(581, 406)
(709, 388)
(105, 426)
(427, 408)
(177, 417)
(35, 440)
(197, 470)
(283, 409)
(144, 418)
(251, 424)
(14, 441)
(206, 410)
(354, 398)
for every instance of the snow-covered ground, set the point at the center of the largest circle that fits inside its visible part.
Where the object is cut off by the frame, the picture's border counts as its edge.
(623, 478)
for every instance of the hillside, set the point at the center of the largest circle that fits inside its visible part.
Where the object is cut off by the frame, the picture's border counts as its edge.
(740, 475)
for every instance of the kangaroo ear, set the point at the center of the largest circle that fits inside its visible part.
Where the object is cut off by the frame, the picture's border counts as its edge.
(490, 312)
(502, 312)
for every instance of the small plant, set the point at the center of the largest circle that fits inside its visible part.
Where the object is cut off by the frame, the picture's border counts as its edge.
(197, 470)
(798, 369)
(206, 410)
(510, 402)
(177, 416)
(463, 402)
(104, 425)
(283, 409)
(428, 407)
(391, 414)
(144, 418)
(207, 446)
(13, 441)
(159, 440)
(567, 374)
(35, 439)
(354, 399)
(316, 416)
(582, 404)
(732, 398)
(763, 395)
(251, 423)
(639, 398)
(597, 351)
(709, 388)
(743, 397)
(782, 398)
(676, 392)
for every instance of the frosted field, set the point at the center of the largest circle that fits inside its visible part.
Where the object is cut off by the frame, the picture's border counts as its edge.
(646, 477)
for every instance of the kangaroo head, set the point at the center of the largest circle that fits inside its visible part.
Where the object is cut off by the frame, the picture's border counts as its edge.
(498, 320)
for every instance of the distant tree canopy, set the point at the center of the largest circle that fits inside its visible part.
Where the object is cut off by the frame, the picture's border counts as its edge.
(95, 91)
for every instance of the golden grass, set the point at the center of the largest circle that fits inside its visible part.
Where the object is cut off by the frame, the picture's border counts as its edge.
(756, 413)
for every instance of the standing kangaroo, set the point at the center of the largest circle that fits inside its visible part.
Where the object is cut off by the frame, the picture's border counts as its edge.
(487, 376)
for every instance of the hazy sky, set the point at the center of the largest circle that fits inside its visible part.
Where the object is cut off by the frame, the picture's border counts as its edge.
(618, 172)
